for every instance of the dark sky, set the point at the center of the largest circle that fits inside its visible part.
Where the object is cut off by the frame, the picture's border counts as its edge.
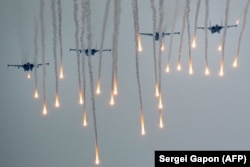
(200, 112)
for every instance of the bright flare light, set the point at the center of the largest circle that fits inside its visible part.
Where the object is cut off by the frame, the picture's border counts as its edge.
(97, 161)
(220, 48)
(115, 87)
(142, 126)
(167, 68)
(61, 72)
(28, 75)
(112, 101)
(160, 106)
(235, 63)
(80, 97)
(139, 44)
(162, 47)
(57, 103)
(194, 43)
(36, 94)
(44, 109)
(221, 70)
(191, 69)
(179, 67)
(156, 90)
(85, 123)
(161, 125)
(207, 72)
(98, 88)
(238, 21)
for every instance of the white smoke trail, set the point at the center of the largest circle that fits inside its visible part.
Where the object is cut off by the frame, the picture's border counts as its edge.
(102, 42)
(182, 35)
(224, 38)
(171, 36)
(189, 38)
(35, 55)
(241, 32)
(161, 3)
(60, 36)
(195, 22)
(136, 31)
(41, 15)
(77, 48)
(54, 23)
(206, 34)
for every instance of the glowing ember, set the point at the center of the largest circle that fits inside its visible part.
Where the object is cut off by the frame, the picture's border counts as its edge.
(28, 75)
(45, 109)
(162, 47)
(161, 125)
(142, 126)
(36, 94)
(97, 161)
(112, 101)
(80, 97)
(194, 43)
(238, 22)
(85, 123)
(219, 48)
(221, 70)
(179, 67)
(98, 88)
(191, 69)
(139, 44)
(167, 68)
(207, 72)
(61, 72)
(160, 106)
(57, 104)
(156, 90)
(235, 63)
(115, 87)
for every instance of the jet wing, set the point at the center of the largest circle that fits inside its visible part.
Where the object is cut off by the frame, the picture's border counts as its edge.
(168, 33)
(201, 28)
(41, 64)
(76, 50)
(146, 34)
(18, 66)
(106, 50)
(232, 26)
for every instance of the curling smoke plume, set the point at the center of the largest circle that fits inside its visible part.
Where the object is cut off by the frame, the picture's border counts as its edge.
(236, 58)
(98, 89)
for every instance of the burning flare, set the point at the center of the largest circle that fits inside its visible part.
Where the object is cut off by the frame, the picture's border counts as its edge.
(112, 101)
(162, 47)
(80, 97)
(57, 103)
(207, 72)
(85, 123)
(235, 63)
(28, 75)
(115, 87)
(98, 88)
(179, 66)
(156, 90)
(160, 106)
(142, 125)
(167, 68)
(191, 68)
(220, 48)
(161, 125)
(139, 44)
(61, 72)
(36, 94)
(221, 70)
(238, 21)
(97, 161)
(194, 43)
(44, 109)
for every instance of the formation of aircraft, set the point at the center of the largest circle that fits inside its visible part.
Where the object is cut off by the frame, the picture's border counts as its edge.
(157, 34)
(90, 52)
(216, 28)
(27, 66)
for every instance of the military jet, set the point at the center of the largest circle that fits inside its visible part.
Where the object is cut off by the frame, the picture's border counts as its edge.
(157, 34)
(216, 28)
(27, 66)
(90, 52)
